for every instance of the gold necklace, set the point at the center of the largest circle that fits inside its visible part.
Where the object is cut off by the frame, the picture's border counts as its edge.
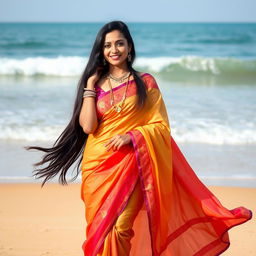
(119, 79)
(118, 107)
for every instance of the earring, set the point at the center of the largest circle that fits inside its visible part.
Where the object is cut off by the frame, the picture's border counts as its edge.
(129, 57)
(104, 62)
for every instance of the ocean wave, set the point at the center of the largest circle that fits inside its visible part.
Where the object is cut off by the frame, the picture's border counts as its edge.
(22, 45)
(173, 67)
(32, 133)
(213, 133)
(34, 66)
(228, 40)
(216, 135)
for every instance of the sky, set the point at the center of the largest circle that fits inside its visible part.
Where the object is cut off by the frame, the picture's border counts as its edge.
(128, 11)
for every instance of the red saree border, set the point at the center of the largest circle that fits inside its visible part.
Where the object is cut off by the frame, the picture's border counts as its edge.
(93, 249)
(107, 230)
(94, 241)
(238, 213)
(144, 167)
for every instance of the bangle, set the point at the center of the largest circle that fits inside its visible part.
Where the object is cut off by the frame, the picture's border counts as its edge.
(85, 89)
(89, 94)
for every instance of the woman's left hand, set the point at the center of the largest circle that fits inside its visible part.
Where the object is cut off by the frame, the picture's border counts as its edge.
(118, 141)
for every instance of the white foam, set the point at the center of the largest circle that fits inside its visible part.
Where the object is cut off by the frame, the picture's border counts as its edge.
(217, 135)
(32, 133)
(74, 65)
(60, 66)
(192, 63)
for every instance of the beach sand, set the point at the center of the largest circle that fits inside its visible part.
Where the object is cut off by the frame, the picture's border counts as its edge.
(50, 221)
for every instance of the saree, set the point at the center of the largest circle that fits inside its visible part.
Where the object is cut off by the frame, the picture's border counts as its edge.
(145, 199)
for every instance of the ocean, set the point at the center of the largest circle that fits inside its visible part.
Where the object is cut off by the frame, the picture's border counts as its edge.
(205, 71)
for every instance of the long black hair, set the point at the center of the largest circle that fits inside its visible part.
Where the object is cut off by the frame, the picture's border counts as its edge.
(69, 145)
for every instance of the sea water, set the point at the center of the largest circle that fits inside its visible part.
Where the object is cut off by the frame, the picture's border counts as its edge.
(205, 71)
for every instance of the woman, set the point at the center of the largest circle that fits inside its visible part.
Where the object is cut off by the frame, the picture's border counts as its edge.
(141, 195)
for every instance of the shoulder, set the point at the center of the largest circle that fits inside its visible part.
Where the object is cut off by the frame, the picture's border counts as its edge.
(149, 80)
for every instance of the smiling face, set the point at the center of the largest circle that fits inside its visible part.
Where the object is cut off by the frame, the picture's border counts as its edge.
(115, 48)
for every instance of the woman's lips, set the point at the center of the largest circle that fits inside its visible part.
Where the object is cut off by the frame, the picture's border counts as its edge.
(115, 57)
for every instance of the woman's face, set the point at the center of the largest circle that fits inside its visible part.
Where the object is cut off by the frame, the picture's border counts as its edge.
(115, 48)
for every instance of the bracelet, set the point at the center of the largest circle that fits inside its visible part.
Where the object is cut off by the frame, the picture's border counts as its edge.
(89, 94)
(85, 89)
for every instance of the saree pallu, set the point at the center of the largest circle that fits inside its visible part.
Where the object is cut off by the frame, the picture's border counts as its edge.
(179, 216)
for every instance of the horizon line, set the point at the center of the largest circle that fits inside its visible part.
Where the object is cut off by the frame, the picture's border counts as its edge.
(128, 21)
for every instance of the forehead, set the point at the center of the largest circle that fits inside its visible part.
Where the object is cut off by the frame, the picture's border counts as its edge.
(114, 36)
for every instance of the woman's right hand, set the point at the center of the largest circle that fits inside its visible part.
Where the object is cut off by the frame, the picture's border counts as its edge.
(94, 78)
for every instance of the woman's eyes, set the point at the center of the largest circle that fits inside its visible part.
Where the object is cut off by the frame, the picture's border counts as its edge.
(109, 45)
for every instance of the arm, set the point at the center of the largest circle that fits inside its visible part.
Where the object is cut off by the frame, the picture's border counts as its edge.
(88, 116)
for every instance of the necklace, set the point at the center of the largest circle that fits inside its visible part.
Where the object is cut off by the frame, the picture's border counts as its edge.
(118, 107)
(119, 79)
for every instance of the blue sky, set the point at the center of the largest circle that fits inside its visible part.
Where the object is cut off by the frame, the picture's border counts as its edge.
(129, 10)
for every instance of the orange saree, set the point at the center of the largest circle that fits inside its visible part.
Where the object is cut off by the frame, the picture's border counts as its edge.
(144, 199)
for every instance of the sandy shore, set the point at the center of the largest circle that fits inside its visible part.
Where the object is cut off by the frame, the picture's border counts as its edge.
(50, 221)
